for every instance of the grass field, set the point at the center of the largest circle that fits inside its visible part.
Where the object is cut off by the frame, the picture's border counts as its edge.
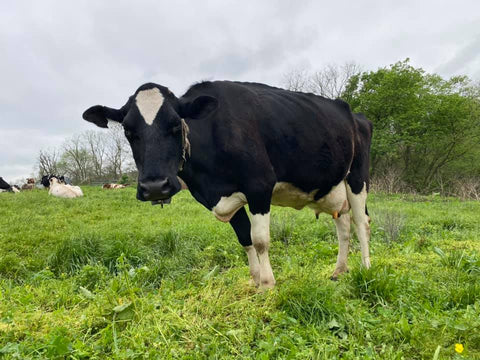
(106, 276)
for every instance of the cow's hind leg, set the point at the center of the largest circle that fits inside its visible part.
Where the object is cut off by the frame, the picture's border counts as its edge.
(242, 228)
(360, 218)
(342, 224)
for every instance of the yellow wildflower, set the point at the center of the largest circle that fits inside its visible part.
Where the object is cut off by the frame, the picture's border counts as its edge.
(459, 348)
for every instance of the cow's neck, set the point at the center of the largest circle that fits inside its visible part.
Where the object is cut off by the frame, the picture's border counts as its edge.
(187, 171)
(194, 167)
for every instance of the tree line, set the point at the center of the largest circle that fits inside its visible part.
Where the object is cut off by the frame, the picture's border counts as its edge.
(425, 139)
(91, 156)
(426, 129)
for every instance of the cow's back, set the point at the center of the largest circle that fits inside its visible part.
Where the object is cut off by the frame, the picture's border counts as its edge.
(308, 139)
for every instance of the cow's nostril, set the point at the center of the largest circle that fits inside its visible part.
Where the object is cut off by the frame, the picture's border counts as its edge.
(164, 185)
(155, 189)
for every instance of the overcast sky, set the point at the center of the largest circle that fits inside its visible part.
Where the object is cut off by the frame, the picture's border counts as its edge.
(57, 58)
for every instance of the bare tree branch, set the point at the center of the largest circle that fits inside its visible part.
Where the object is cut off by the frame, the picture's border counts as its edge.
(332, 80)
(296, 79)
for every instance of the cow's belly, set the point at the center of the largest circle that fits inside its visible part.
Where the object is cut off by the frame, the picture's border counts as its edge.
(286, 194)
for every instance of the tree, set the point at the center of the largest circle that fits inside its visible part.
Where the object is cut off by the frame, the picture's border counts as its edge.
(296, 79)
(75, 160)
(331, 81)
(48, 162)
(96, 143)
(90, 156)
(119, 155)
(422, 123)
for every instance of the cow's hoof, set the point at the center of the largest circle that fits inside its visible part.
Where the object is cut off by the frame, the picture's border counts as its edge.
(338, 271)
(266, 285)
(252, 282)
(264, 288)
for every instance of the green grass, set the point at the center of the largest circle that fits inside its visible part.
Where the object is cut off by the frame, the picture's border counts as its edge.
(106, 276)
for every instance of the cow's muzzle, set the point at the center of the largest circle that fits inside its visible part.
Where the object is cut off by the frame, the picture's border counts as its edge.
(155, 190)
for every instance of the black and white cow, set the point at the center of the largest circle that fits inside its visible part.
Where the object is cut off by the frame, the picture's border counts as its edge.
(45, 181)
(238, 143)
(4, 186)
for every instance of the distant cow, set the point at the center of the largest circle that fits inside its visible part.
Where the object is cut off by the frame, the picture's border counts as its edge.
(29, 185)
(113, 186)
(63, 190)
(4, 186)
(45, 181)
(61, 179)
(236, 143)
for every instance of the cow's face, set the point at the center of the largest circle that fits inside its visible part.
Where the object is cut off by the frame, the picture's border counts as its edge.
(53, 180)
(157, 136)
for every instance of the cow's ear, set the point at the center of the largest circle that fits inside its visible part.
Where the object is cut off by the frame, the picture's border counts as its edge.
(99, 115)
(200, 107)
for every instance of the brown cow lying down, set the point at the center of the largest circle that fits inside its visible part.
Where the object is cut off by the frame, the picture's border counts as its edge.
(30, 185)
(62, 190)
(113, 186)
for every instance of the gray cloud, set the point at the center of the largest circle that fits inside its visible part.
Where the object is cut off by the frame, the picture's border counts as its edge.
(466, 60)
(58, 58)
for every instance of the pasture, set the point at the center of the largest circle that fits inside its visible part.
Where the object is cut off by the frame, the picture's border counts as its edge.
(106, 276)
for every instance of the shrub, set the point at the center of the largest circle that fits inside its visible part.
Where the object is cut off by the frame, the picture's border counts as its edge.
(124, 179)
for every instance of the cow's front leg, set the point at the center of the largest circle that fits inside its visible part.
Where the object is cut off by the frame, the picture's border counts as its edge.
(260, 234)
(259, 188)
(241, 225)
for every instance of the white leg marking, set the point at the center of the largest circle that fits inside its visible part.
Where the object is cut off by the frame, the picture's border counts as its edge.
(343, 233)
(260, 233)
(362, 228)
(253, 263)
(228, 206)
(149, 103)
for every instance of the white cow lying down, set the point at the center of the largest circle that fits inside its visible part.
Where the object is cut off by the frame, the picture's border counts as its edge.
(63, 190)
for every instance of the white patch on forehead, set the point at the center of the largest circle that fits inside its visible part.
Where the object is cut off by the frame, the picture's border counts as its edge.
(149, 103)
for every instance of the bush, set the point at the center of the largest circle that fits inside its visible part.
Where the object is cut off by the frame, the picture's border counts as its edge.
(124, 179)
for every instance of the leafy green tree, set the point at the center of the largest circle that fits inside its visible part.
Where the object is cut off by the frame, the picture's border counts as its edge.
(424, 125)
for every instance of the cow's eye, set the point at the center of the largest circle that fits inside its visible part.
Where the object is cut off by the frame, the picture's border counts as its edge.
(128, 133)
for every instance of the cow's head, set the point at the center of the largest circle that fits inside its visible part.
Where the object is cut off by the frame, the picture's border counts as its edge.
(45, 181)
(53, 180)
(153, 123)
